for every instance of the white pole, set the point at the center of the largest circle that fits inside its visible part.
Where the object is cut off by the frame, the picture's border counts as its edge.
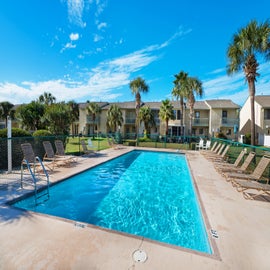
(9, 144)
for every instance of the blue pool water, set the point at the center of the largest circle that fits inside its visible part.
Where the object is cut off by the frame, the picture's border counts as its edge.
(143, 193)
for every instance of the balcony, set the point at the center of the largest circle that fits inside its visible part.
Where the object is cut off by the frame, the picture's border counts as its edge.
(200, 122)
(130, 120)
(89, 120)
(229, 122)
(266, 123)
(157, 121)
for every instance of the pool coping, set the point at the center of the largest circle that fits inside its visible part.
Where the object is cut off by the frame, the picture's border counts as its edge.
(215, 252)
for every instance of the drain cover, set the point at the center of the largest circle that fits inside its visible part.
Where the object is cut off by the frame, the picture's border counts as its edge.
(139, 256)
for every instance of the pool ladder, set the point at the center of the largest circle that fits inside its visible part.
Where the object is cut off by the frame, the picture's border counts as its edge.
(38, 179)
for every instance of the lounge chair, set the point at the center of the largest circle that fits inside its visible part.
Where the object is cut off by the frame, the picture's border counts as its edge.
(217, 152)
(60, 150)
(226, 167)
(214, 146)
(55, 159)
(214, 150)
(239, 171)
(29, 158)
(246, 187)
(86, 150)
(257, 175)
(222, 155)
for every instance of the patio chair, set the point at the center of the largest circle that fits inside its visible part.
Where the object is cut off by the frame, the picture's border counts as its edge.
(86, 150)
(112, 143)
(60, 150)
(199, 145)
(239, 171)
(227, 167)
(90, 144)
(257, 175)
(55, 159)
(207, 145)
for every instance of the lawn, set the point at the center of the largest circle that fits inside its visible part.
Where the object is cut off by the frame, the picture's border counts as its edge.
(74, 144)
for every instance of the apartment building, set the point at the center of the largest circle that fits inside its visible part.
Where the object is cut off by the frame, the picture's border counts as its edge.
(262, 118)
(210, 117)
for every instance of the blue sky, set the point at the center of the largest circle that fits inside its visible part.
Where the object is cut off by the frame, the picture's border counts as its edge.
(89, 50)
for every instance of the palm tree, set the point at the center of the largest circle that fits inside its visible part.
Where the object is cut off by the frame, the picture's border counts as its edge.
(47, 98)
(114, 117)
(6, 110)
(137, 86)
(31, 116)
(94, 109)
(74, 113)
(146, 116)
(180, 92)
(194, 87)
(166, 113)
(243, 51)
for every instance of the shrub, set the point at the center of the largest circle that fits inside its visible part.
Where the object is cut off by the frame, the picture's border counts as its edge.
(16, 132)
(247, 138)
(42, 132)
(220, 135)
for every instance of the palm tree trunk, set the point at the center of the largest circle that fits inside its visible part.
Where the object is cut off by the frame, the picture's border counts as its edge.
(182, 110)
(191, 114)
(251, 87)
(167, 126)
(137, 108)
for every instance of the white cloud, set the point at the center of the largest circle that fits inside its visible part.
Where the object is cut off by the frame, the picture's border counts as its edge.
(235, 87)
(100, 7)
(75, 12)
(101, 25)
(97, 38)
(180, 33)
(100, 83)
(69, 45)
(74, 36)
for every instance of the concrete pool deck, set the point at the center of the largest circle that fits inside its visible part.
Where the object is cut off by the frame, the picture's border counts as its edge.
(35, 241)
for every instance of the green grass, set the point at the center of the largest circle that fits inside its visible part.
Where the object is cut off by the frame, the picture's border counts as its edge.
(74, 146)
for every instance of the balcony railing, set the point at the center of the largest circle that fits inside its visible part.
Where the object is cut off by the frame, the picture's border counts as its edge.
(157, 121)
(200, 122)
(229, 122)
(90, 120)
(266, 123)
(130, 120)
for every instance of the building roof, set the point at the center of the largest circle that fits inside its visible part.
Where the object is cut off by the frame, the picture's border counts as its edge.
(121, 105)
(222, 104)
(264, 101)
(86, 104)
(201, 105)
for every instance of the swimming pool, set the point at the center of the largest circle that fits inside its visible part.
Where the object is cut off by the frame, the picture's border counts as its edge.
(148, 194)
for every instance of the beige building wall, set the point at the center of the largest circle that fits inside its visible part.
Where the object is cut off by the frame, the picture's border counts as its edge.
(215, 120)
(210, 117)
